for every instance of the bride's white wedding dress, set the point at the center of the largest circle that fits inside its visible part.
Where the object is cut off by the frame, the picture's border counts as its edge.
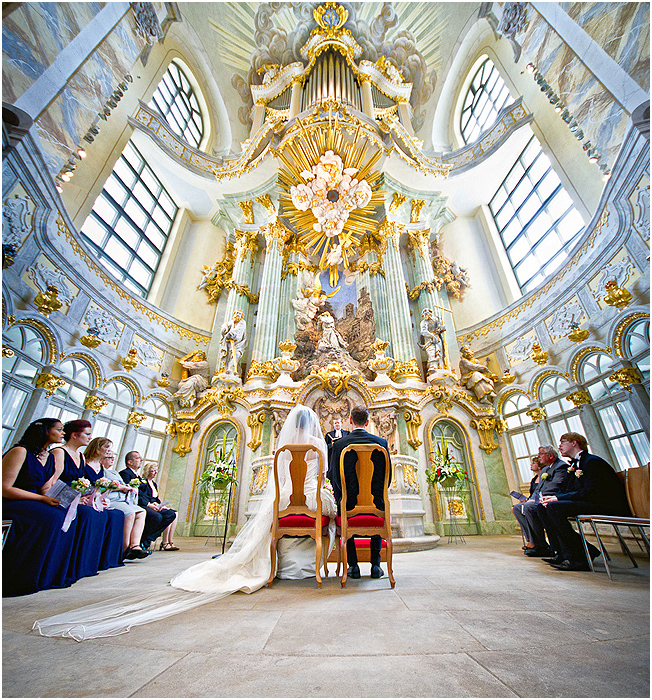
(245, 567)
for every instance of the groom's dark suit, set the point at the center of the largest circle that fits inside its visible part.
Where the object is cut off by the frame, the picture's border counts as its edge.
(357, 436)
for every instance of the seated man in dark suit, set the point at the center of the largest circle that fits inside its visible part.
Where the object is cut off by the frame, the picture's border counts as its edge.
(359, 420)
(155, 522)
(552, 480)
(592, 488)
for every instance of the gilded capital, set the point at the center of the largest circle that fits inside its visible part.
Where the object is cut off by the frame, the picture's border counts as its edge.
(485, 428)
(391, 231)
(275, 231)
(184, 430)
(50, 382)
(626, 376)
(537, 414)
(412, 421)
(135, 418)
(95, 403)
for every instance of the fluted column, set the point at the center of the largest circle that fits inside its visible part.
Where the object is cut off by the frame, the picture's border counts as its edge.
(295, 100)
(367, 99)
(289, 291)
(397, 301)
(377, 288)
(265, 346)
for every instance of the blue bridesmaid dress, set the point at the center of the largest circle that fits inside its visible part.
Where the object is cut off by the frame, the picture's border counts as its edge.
(115, 526)
(37, 553)
(92, 551)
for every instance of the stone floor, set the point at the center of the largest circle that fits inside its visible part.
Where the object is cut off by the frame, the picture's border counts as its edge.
(465, 620)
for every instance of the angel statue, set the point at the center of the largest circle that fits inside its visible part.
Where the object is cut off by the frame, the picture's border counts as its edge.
(194, 378)
(308, 302)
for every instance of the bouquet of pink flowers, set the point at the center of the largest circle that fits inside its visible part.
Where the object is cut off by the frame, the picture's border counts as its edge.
(83, 485)
(103, 485)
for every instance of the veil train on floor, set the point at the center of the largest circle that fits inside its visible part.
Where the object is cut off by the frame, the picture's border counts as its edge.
(244, 567)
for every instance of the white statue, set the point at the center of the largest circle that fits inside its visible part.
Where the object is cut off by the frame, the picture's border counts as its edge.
(194, 378)
(473, 376)
(232, 344)
(330, 336)
(309, 301)
(432, 340)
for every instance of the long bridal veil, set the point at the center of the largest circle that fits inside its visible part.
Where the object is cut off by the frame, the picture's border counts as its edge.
(245, 566)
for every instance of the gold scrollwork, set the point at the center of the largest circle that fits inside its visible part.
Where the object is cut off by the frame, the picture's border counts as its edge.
(485, 428)
(266, 202)
(262, 370)
(626, 376)
(537, 414)
(410, 480)
(135, 418)
(397, 200)
(256, 421)
(95, 403)
(49, 382)
(579, 398)
(50, 339)
(222, 397)
(412, 422)
(248, 211)
(184, 430)
(404, 370)
(151, 314)
(622, 328)
(417, 206)
(334, 378)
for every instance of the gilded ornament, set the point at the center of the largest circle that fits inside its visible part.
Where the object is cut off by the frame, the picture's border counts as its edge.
(130, 360)
(576, 335)
(50, 382)
(410, 480)
(92, 338)
(538, 355)
(412, 422)
(7, 352)
(248, 211)
(266, 202)
(390, 231)
(285, 364)
(537, 414)
(275, 231)
(262, 370)
(419, 240)
(417, 206)
(95, 403)
(625, 376)
(380, 364)
(184, 431)
(334, 378)
(164, 380)
(615, 296)
(622, 327)
(256, 421)
(507, 378)
(222, 397)
(579, 398)
(135, 418)
(415, 293)
(48, 301)
(485, 428)
(405, 370)
(217, 277)
(397, 200)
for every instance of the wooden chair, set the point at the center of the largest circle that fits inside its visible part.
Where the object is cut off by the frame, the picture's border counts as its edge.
(364, 519)
(637, 484)
(297, 519)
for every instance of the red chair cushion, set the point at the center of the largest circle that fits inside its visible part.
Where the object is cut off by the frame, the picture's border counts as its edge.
(301, 521)
(362, 521)
(365, 543)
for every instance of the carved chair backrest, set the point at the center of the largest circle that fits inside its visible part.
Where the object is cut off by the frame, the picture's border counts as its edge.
(298, 467)
(637, 481)
(364, 469)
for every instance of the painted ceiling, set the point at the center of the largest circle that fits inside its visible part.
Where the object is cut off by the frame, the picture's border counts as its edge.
(239, 38)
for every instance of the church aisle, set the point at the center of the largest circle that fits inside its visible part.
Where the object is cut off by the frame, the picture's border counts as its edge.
(463, 621)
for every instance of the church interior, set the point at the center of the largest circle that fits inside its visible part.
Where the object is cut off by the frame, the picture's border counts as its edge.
(214, 212)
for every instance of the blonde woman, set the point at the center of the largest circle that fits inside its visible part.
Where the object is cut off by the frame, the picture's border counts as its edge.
(148, 497)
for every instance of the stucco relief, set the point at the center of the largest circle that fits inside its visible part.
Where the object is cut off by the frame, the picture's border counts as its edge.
(108, 328)
(44, 277)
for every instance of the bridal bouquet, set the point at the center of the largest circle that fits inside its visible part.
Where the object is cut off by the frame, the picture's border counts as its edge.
(444, 470)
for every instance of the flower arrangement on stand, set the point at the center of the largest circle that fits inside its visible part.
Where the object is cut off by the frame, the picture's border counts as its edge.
(445, 470)
(220, 471)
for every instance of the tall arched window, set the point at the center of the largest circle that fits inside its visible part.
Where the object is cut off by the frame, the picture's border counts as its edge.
(177, 102)
(130, 222)
(111, 422)
(618, 420)
(486, 96)
(535, 217)
(67, 402)
(151, 434)
(521, 434)
(563, 417)
(636, 345)
(18, 374)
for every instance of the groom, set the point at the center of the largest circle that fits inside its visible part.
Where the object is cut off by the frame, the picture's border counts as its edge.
(359, 421)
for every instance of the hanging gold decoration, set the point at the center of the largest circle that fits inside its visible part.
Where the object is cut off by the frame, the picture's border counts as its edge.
(48, 301)
(130, 360)
(615, 296)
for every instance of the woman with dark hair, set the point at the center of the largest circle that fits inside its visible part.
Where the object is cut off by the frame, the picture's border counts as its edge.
(99, 536)
(37, 553)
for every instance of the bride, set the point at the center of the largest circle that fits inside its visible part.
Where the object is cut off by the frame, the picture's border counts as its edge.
(245, 566)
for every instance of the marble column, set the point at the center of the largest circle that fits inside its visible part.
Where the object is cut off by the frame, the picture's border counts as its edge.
(397, 300)
(367, 99)
(295, 99)
(289, 291)
(265, 346)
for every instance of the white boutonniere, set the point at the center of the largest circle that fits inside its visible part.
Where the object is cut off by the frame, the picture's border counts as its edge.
(579, 473)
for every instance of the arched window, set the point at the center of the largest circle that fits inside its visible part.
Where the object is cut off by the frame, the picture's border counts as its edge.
(130, 222)
(486, 96)
(618, 420)
(177, 102)
(111, 422)
(521, 434)
(151, 434)
(636, 345)
(67, 402)
(18, 374)
(535, 217)
(563, 417)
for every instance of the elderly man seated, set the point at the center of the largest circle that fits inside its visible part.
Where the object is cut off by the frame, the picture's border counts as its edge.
(553, 476)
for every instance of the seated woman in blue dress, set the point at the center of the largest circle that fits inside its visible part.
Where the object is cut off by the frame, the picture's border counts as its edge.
(37, 553)
(99, 535)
